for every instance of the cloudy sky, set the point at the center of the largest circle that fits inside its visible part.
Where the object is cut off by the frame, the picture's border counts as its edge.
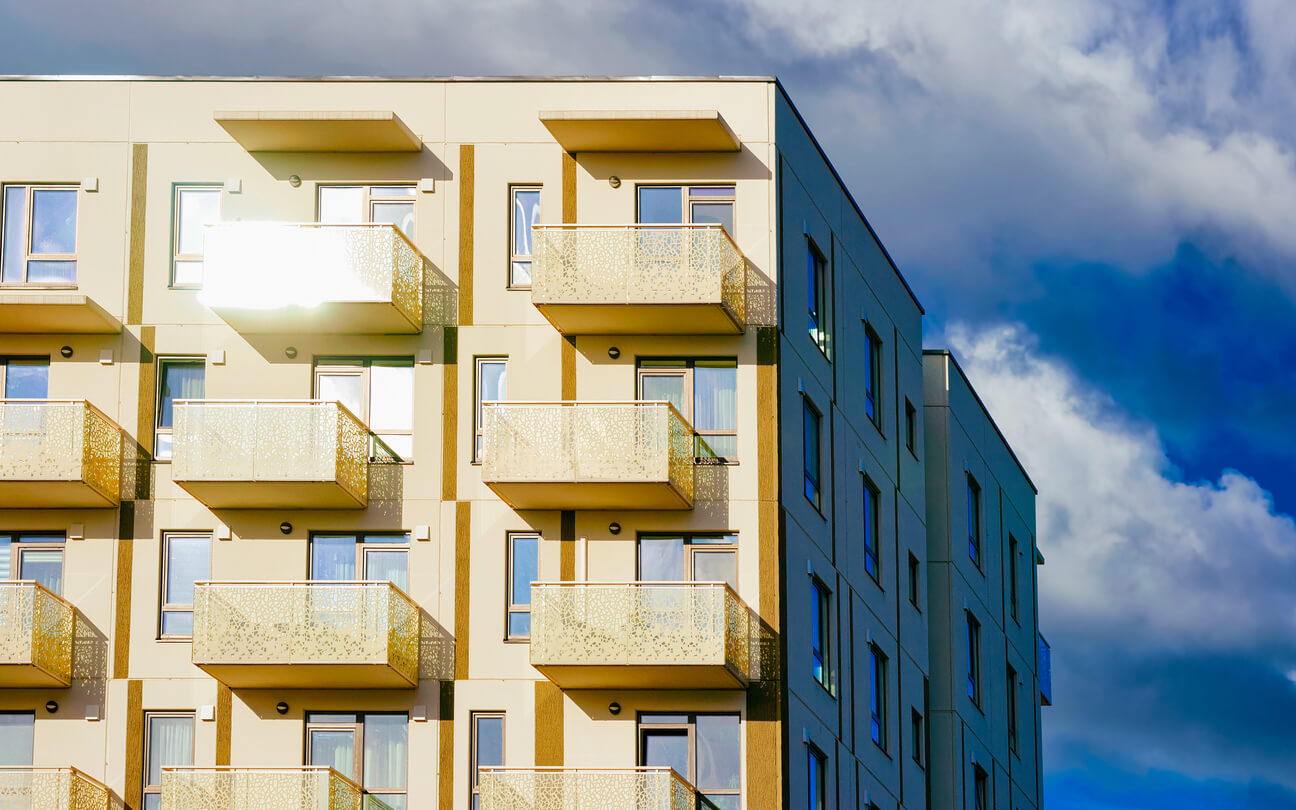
(1096, 202)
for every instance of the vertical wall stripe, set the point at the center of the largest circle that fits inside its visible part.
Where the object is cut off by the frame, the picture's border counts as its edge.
(567, 546)
(122, 609)
(568, 368)
(146, 397)
(445, 718)
(568, 188)
(463, 535)
(467, 197)
(133, 794)
(548, 725)
(223, 723)
(135, 270)
(450, 415)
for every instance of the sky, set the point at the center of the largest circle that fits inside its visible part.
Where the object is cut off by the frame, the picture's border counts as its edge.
(1096, 202)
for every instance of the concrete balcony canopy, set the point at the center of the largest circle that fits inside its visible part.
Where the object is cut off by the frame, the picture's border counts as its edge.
(51, 789)
(640, 130)
(266, 277)
(641, 635)
(36, 634)
(639, 279)
(306, 788)
(319, 131)
(58, 453)
(334, 635)
(260, 454)
(584, 789)
(50, 312)
(588, 455)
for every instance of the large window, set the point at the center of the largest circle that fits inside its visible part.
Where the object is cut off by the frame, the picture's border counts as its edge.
(367, 557)
(677, 205)
(168, 743)
(195, 208)
(186, 558)
(974, 519)
(706, 749)
(524, 212)
(389, 205)
(873, 377)
(820, 635)
(24, 377)
(1013, 596)
(491, 386)
(17, 735)
(817, 297)
(811, 439)
(689, 558)
(817, 766)
(523, 569)
(368, 748)
(973, 659)
(379, 392)
(34, 556)
(878, 705)
(705, 392)
(178, 378)
(1012, 709)
(39, 242)
(487, 746)
(872, 532)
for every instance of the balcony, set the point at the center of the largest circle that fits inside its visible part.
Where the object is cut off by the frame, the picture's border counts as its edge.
(588, 455)
(45, 311)
(259, 454)
(592, 789)
(638, 635)
(262, 277)
(58, 454)
(36, 632)
(334, 635)
(51, 789)
(307, 788)
(1045, 664)
(639, 279)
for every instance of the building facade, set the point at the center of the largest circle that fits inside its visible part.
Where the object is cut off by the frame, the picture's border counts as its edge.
(483, 444)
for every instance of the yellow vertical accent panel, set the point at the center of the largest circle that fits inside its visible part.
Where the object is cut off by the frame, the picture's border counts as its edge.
(463, 537)
(548, 725)
(467, 198)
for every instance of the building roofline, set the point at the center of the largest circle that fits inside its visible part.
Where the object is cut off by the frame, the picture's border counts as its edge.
(954, 362)
(846, 190)
(394, 79)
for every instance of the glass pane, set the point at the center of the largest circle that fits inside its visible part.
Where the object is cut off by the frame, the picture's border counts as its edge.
(180, 381)
(526, 212)
(667, 749)
(17, 733)
(54, 221)
(719, 759)
(333, 558)
(344, 388)
(43, 565)
(399, 214)
(661, 559)
(152, 801)
(188, 559)
(330, 717)
(391, 191)
(489, 741)
(717, 445)
(520, 275)
(384, 751)
(170, 744)
(198, 207)
(41, 272)
(663, 718)
(714, 213)
(26, 380)
(163, 446)
(177, 623)
(334, 748)
(391, 397)
(716, 566)
(715, 398)
(402, 444)
(389, 566)
(188, 273)
(384, 801)
(519, 624)
(526, 568)
(15, 220)
(669, 387)
(661, 205)
(341, 204)
(5, 543)
(711, 191)
(493, 381)
(724, 802)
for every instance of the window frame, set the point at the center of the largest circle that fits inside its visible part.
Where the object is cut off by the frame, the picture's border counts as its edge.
(692, 546)
(974, 515)
(821, 643)
(689, 727)
(872, 531)
(816, 777)
(31, 716)
(28, 221)
(973, 659)
(810, 414)
(369, 198)
(356, 727)
(164, 606)
(878, 696)
(1014, 595)
(510, 608)
(164, 363)
(1013, 717)
(513, 256)
(818, 317)
(57, 542)
(474, 773)
(479, 436)
(23, 360)
(873, 379)
(918, 735)
(147, 788)
(176, 218)
(362, 547)
(980, 787)
(339, 365)
(645, 369)
(911, 428)
(915, 582)
(687, 199)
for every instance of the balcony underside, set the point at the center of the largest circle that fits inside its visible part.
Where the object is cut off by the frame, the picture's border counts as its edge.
(308, 676)
(28, 676)
(273, 494)
(52, 495)
(642, 676)
(336, 317)
(693, 318)
(55, 313)
(590, 495)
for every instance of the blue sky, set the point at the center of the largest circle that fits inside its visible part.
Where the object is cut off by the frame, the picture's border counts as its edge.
(1096, 201)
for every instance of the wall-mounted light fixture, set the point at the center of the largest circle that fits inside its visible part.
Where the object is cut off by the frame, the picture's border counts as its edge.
(614, 181)
(294, 181)
(66, 351)
(290, 352)
(614, 352)
(51, 706)
(614, 708)
(285, 527)
(614, 527)
(281, 707)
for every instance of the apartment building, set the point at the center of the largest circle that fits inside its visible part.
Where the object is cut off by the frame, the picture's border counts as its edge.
(496, 444)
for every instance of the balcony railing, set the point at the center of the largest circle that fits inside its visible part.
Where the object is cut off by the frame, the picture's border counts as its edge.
(639, 279)
(1045, 664)
(58, 453)
(256, 454)
(588, 455)
(584, 789)
(50, 789)
(621, 635)
(36, 633)
(311, 277)
(362, 635)
(307, 788)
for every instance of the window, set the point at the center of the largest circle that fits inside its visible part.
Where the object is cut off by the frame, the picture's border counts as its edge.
(689, 558)
(873, 377)
(982, 787)
(974, 520)
(915, 581)
(379, 392)
(366, 557)
(679, 205)
(168, 743)
(492, 386)
(17, 737)
(878, 712)
(39, 243)
(974, 659)
(820, 618)
(705, 392)
(706, 749)
(195, 207)
(817, 763)
(178, 378)
(1012, 709)
(1013, 551)
(810, 437)
(33, 556)
(911, 427)
(24, 378)
(186, 558)
(916, 737)
(487, 747)
(872, 532)
(524, 212)
(387, 205)
(523, 569)
(368, 748)
(816, 297)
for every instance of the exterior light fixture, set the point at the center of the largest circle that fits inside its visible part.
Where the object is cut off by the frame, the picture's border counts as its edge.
(614, 352)
(614, 708)
(290, 352)
(281, 707)
(285, 527)
(66, 351)
(614, 527)
(294, 180)
(614, 181)
(51, 706)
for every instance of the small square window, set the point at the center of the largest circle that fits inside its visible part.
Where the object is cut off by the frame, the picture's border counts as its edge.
(38, 243)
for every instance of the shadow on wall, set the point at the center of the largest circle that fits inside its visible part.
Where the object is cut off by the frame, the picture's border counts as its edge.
(711, 494)
(89, 661)
(436, 650)
(762, 299)
(440, 297)
(387, 491)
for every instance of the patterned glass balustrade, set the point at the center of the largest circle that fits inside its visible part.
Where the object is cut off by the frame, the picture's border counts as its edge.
(36, 634)
(588, 455)
(50, 789)
(639, 279)
(584, 789)
(58, 453)
(307, 788)
(340, 635)
(308, 277)
(257, 454)
(1045, 664)
(646, 635)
